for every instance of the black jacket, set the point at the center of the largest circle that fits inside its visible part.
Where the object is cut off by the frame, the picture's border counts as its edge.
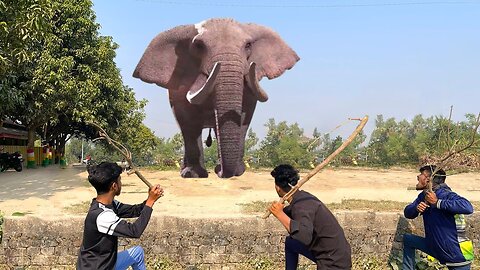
(316, 227)
(103, 226)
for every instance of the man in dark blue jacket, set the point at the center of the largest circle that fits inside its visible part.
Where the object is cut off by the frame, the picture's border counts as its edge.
(444, 223)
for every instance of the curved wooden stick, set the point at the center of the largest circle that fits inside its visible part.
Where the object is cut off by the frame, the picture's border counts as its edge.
(123, 150)
(324, 163)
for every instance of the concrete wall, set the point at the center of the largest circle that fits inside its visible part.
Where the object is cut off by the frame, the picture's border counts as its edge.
(178, 243)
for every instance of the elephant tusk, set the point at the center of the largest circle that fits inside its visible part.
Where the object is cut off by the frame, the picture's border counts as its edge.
(199, 96)
(252, 83)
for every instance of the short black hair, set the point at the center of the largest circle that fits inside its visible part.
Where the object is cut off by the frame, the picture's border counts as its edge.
(285, 176)
(439, 176)
(102, 176)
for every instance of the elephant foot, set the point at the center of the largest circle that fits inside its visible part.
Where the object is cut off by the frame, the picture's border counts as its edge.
(238, 171)
(194, 172)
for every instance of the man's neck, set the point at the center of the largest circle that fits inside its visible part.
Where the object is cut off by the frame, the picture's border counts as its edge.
(105, 199)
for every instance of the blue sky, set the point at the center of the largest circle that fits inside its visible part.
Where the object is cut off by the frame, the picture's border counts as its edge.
(395, 58)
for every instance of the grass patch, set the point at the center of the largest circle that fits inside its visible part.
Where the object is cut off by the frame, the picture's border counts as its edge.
(21, 214)
(159, 167)
(254, 207)
(163, 263)
(476, 205)
(78, 208)
(377, 206)
(261, 264)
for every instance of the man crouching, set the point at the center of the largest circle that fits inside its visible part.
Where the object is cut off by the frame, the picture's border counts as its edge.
(103, 224)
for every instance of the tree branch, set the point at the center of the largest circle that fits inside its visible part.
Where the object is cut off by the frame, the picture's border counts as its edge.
(452, 152)
(122, 149)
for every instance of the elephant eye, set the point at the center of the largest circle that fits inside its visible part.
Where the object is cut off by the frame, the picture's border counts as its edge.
(199, 47)
(248, 46)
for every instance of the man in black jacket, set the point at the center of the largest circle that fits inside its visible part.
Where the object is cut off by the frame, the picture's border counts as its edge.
(103, 224)
(314, 230)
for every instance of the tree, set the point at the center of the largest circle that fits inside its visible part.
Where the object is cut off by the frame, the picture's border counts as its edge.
(68, 75)
(284, 144)
(23, 27)
(251, 142)
(74, 149)
(386, 142)
(169, 151)
(211, 154)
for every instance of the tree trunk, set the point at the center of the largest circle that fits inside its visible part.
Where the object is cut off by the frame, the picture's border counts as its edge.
(31, 137)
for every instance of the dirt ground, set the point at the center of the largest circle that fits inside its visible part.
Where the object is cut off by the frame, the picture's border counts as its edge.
(51, 192)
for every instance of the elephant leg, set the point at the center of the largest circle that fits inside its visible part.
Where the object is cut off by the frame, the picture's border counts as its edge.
(190, 121)
(193, 161)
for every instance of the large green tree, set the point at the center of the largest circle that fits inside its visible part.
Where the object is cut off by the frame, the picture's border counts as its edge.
(24, 25)
(63, 74)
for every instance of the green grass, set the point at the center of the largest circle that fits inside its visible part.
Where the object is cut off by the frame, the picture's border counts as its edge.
(254, 207)
(162, 263)
(78, 208)
(21, 214)
(258, 207)
(377, 206)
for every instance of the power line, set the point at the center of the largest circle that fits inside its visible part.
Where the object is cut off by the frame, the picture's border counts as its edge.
(287, 5)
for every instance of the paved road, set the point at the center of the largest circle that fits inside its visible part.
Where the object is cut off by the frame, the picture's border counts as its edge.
(40, 182)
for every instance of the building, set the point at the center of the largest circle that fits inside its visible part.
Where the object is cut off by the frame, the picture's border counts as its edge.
(12, 133)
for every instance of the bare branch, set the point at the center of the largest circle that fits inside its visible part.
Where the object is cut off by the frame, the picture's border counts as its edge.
(452, 152)
(448, 127)
(122, 149)
(320, 166)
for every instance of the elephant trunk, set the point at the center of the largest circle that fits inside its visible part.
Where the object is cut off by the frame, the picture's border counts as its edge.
(228, 114)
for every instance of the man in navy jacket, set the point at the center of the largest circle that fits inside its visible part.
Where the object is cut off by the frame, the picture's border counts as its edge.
(444, 223)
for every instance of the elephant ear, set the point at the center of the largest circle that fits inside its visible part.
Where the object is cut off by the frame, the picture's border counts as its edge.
(167, 58)
(271, 54)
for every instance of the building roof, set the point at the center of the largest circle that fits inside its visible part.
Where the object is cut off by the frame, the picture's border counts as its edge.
(13, 131)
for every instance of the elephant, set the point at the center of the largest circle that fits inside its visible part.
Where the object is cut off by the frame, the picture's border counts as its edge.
(212, 71)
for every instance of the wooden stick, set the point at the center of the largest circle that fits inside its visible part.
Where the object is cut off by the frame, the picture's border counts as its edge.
(323, 164)
(123, 150)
